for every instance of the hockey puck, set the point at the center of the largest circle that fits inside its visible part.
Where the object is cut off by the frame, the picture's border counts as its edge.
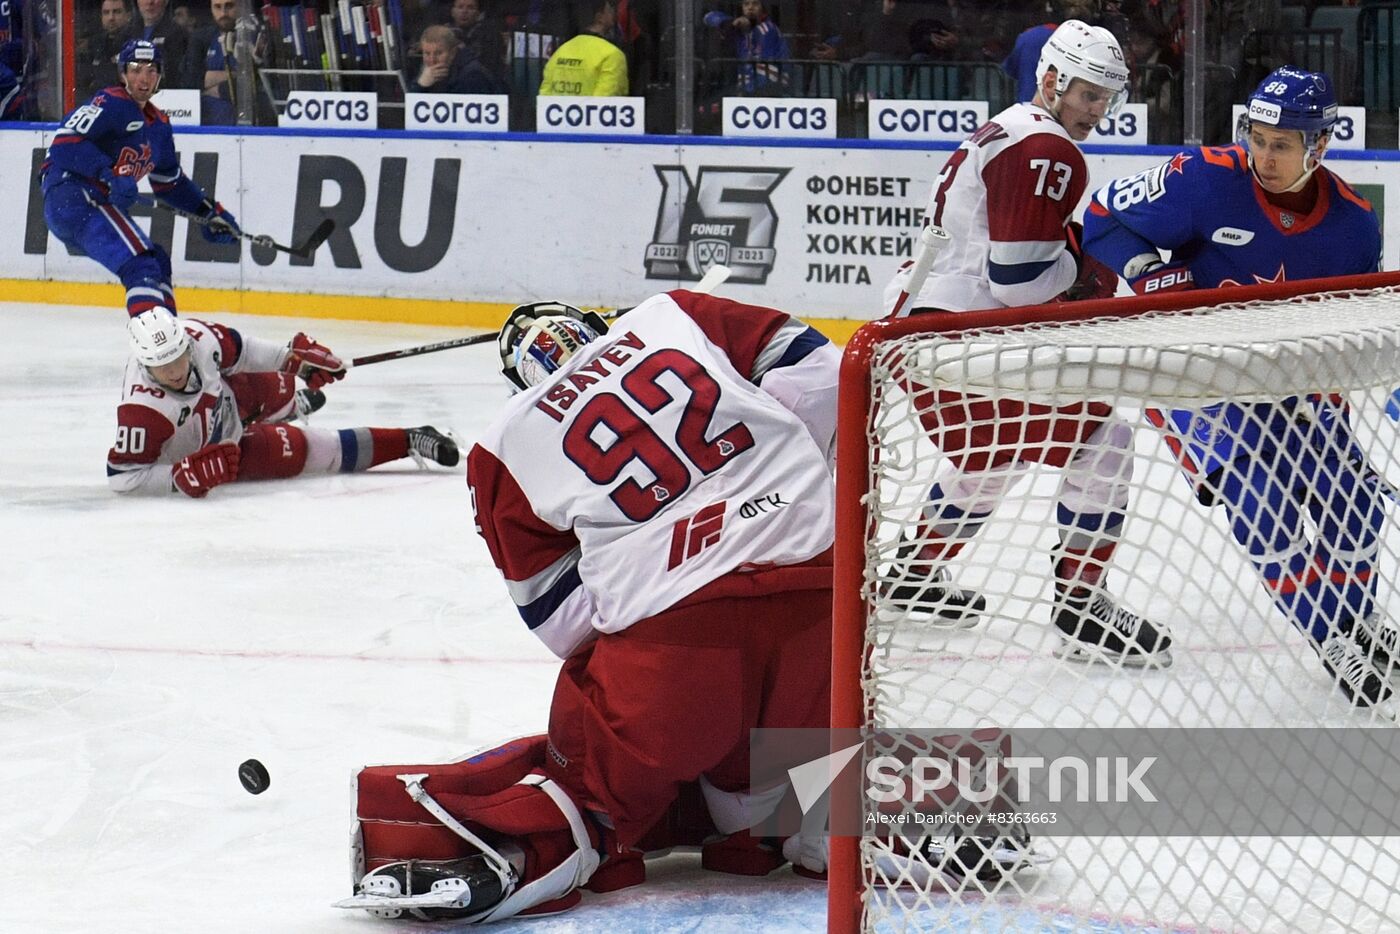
(253, 775)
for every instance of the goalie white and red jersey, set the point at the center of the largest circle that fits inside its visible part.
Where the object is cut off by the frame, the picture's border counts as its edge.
(690, 441)
(1005, 195)
(158, 427)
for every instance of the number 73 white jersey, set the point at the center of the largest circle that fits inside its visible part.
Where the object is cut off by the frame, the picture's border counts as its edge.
(654, 463)
(1005, 195)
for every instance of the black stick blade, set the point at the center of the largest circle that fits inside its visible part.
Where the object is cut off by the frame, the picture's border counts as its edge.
(318, 236)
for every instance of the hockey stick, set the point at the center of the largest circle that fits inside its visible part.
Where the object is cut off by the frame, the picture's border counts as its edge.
(707, 284)
(931, 240)
(307, 248)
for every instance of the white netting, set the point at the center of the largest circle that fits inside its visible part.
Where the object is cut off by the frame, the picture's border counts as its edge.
(1236, 660)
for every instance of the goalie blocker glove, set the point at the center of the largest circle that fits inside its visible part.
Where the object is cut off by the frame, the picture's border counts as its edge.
(314, 363)
(210, 466)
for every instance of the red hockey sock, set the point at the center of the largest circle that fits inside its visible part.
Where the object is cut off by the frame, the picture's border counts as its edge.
(389, 444)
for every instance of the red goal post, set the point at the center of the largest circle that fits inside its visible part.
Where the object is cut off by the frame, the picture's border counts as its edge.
(851, 706)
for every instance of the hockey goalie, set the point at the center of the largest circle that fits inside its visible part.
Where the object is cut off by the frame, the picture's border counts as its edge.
(659, 499)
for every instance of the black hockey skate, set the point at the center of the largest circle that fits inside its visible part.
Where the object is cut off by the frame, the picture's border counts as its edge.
(1095, 629)
(913, 585)
(429, 890)
(1380, 637)
(307, 401)
(427, 443)
(1358, 669)
(991, 859)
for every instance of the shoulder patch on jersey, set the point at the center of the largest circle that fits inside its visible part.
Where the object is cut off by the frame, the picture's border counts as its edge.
(1231, 236)
(135, 125)
(1351, 194)
(1227, 157)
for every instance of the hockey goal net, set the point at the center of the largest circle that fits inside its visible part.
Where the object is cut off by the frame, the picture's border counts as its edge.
(1236, 660)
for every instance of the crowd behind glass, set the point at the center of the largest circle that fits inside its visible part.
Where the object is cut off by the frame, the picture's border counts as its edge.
(244, 57)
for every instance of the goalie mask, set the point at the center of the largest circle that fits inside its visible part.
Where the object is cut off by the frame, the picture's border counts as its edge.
(538, 338)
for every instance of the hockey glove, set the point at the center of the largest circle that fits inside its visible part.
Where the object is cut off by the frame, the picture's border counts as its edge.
(222, 228)
(313, 362)
(1163, 277)
(206, 468)
(1095, 280)
(121, 189)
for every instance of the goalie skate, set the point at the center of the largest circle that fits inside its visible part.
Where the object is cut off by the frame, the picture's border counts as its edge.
(428, 890)
(1095, 629)
(915, 586)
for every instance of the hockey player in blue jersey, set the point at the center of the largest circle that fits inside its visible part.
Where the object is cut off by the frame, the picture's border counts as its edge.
(1266, 210)
(89, 180)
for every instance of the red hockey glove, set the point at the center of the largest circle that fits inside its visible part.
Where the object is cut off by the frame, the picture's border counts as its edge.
(206, 468)
(1095, 280)
(313, 362)
(1165, 277)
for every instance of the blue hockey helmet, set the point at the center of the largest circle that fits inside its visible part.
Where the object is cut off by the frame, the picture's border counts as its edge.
(540, 337)
(1292, 99)
(138, 51)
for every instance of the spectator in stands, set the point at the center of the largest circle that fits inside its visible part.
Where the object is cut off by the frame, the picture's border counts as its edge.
(755, 39)
(184, 16)
(480, 37)
(447, 71)
(97, 66)
(159, 26)
(932, 40)
(1151, 81)
(884, 32)
(220, 82)
(589, 64)
(1025, 55)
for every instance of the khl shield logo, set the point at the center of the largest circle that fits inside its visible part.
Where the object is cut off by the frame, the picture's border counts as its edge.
(707, 253)
(724, 217)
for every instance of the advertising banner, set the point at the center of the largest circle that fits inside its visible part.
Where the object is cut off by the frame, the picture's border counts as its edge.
(599, 221)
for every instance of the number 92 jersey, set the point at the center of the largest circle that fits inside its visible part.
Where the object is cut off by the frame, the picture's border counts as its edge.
(656, 460)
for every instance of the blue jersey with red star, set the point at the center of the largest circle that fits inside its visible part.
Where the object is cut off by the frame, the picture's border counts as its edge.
(112, 132)
(1207, 209)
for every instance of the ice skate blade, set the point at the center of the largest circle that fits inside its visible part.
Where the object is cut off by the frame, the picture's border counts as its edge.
(1093, 655)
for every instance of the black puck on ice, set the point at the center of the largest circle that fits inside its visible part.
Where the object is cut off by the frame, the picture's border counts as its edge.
(253, 775)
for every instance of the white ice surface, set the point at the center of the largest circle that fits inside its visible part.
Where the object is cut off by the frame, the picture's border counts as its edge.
(148, 646)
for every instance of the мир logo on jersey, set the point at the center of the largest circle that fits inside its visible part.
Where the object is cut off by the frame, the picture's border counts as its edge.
(724, 217)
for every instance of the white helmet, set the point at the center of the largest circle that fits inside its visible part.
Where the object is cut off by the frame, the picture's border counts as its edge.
(157, 337)
(1078, 50)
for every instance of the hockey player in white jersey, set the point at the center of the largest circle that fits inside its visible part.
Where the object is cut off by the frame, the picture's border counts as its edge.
(203, 405)
(1008, 194)
(659, 499)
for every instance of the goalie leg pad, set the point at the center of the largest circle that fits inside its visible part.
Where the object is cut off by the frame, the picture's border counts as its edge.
(448, 812)
(271, 452)
(625, 724)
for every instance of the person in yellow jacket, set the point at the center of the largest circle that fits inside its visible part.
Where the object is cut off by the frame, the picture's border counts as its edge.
(588, 65)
